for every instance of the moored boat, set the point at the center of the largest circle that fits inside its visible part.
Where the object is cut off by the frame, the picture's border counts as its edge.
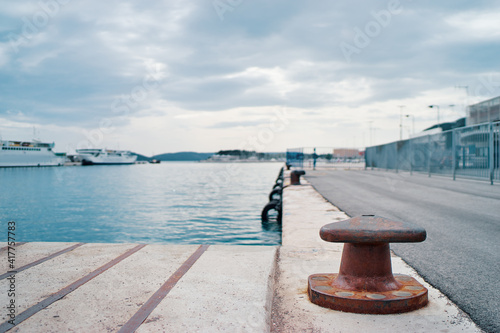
(94, 156)
(28, 154)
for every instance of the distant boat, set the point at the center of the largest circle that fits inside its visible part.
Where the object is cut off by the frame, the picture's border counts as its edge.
(154, 161)
(28, 154)
(105, 156)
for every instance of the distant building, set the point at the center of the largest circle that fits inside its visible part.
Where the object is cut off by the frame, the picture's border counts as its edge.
(484, 111)
(345, 153)
(222, 158)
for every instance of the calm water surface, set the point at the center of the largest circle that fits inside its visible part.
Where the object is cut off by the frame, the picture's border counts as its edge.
(173, 202)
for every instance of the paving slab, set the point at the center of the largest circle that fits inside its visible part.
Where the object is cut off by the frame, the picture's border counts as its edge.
(304, 253)
(229, 289)
(109, 300)
(37, 283)
(30, 252)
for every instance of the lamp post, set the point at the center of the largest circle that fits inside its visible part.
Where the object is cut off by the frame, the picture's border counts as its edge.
(371, 134)
(437, 107)
(466, 98)
(413, 122)
(401, 122)
(452, 107)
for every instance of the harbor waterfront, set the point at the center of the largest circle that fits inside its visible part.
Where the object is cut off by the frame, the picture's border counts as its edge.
(202, 288)
(173, 202)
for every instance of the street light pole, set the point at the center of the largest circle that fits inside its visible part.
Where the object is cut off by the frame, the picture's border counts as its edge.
(413, 122)
(437, 107)
(401, 122)
(371, 129)
(467, 98)
(452, 107)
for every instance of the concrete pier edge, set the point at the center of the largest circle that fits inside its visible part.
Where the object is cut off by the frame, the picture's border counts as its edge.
(303, 253)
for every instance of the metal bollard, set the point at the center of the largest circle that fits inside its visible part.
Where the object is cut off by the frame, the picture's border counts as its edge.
(365, 283)
(295, 176)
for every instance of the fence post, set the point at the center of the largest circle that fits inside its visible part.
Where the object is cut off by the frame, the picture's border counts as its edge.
(397, 156)
(454, 154)
(430, 154)
(366, 160)
(377, 157)
(491, 154)
(411, 156)
(300, 159)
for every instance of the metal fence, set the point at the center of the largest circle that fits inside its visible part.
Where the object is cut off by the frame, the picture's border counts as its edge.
(325, 157)
(471, 151)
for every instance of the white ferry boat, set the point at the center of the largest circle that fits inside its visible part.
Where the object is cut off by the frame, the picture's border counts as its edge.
(29, 153)
(105, 156)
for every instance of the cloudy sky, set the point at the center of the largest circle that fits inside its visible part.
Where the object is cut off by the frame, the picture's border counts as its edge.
(204, 75)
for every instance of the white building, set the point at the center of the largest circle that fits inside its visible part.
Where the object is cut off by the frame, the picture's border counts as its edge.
(484, 112)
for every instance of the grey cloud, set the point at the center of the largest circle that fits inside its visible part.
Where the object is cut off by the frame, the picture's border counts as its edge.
(232, 124)
(96, 52)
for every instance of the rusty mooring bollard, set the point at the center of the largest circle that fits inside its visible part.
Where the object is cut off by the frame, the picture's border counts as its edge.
(365, 283)
(295, 176)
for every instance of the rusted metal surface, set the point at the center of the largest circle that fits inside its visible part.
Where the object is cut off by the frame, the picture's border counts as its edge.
(410, 296)
(295, 176)
(366, 267)
(365, 283)
(372, 229)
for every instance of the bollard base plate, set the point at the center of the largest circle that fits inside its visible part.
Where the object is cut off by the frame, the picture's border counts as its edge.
(411, 296)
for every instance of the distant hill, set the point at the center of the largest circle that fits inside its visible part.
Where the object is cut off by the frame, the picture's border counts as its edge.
(182, 156)
(142, 157)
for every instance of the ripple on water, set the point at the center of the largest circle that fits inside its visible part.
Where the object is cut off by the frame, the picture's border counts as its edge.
(181, 203)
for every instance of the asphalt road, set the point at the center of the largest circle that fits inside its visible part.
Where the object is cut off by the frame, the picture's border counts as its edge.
(461, 255)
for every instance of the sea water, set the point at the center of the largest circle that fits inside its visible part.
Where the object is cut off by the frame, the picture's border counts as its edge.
(172, 202)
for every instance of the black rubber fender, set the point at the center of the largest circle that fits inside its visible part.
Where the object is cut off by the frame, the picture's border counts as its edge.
(274, 192)
(272, 205)
(281, 173)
